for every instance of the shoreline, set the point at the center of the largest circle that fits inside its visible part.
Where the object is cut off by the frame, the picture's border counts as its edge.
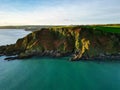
(103, 59)
(76, 42)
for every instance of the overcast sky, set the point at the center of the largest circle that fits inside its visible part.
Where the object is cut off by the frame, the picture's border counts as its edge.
(54, 12)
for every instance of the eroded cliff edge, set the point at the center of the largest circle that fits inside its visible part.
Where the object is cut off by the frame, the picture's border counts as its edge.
(77, 42)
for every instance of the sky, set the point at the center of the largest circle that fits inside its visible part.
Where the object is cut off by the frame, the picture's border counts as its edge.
(59, 12)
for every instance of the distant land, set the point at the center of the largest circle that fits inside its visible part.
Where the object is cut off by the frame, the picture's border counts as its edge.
(33, 27)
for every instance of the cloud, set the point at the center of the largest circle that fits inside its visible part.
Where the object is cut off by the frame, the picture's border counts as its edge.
(71, 13)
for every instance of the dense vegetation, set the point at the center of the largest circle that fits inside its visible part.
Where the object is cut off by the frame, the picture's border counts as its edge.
(112, 29)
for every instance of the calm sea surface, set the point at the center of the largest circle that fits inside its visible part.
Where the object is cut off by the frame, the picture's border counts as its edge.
(54, 74)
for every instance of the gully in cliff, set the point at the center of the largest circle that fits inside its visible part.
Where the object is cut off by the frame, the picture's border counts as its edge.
(79, 43)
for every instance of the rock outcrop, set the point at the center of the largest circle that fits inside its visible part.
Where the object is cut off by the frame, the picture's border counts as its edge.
(78, 42)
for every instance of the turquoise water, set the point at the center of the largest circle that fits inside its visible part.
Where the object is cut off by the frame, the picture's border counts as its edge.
(58, 74)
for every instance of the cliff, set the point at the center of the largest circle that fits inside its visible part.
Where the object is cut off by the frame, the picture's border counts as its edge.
(77, 42)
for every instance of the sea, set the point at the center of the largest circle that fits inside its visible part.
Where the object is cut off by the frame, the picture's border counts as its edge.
(45, 73)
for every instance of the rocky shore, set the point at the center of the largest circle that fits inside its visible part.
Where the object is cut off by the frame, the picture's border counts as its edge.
(99, 58)
(58, 54)
(77, 42)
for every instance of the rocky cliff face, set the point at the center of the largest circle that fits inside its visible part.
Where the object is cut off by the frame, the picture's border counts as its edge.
(80, 42)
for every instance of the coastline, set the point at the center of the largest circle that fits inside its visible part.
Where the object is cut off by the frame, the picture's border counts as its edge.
(76, 42)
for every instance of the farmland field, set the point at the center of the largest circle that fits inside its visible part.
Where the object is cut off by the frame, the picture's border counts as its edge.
(112, 29)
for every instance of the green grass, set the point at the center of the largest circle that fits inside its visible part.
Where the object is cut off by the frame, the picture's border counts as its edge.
(113, 26)
(112, 29)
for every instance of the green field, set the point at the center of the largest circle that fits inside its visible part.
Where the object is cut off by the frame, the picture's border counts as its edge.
(112, 29)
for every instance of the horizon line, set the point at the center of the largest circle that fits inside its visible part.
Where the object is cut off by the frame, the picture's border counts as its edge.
(60, 24)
